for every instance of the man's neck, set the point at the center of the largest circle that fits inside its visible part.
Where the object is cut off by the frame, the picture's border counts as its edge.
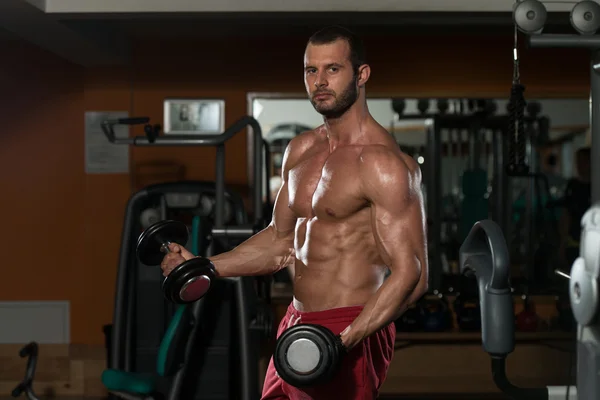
(349, 127)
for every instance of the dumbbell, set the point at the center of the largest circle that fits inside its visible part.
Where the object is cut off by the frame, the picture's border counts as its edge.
(308, 355)
(191, 279)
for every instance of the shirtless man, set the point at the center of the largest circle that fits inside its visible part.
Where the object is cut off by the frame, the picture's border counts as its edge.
(350, 207)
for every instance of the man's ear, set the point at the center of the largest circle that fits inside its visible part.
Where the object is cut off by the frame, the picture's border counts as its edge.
(364, 72)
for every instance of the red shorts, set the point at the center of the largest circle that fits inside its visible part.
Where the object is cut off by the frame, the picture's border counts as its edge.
(362, 372)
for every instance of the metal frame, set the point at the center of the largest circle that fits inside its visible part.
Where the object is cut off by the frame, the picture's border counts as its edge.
(587, 377)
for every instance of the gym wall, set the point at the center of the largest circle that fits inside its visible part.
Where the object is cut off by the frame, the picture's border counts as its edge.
(63, 227)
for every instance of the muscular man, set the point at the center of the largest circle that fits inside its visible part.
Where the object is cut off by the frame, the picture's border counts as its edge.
(350, 207)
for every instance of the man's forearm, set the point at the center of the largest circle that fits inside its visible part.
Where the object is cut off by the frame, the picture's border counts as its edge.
(264, 253)
(387, 305)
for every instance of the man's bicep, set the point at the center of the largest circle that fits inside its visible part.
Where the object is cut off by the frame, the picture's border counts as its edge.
(284, 220)
(399, 232)
(398, 217)
(401, 239)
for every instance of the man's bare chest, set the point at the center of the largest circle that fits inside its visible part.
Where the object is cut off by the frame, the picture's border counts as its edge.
(325, 186)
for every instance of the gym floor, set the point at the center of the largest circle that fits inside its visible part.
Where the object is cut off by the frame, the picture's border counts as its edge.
(422, 397)
(453, 396)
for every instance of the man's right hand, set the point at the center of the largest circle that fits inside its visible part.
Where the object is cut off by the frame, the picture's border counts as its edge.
(177, 255)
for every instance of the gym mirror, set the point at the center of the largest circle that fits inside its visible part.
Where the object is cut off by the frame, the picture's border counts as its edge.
(464, 177)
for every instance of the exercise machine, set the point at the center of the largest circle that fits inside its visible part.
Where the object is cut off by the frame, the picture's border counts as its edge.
(530, 17)
(196, 352)
(484, 252)
(250, 322)
(143, 317)
(26, 386)
(484, 255)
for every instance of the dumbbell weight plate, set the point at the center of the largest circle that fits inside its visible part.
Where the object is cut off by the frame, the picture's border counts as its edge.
(189, 281)
(150, 241)
(305, 355)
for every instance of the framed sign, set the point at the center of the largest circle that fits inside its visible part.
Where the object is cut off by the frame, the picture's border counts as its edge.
(194, 116)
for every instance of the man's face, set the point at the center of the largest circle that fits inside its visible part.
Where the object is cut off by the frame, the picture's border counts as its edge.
(330, 82)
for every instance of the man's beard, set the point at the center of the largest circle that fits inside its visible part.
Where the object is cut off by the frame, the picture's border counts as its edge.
(340, 104)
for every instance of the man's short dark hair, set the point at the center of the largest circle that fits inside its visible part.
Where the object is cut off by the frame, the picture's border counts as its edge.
(332, 33)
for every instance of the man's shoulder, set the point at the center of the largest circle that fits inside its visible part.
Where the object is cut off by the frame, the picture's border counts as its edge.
(300, 144)
(388, 174)
(307, 137)
(303, 141)
(388, 160)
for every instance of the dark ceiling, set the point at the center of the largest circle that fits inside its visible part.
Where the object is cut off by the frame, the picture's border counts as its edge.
(92, 39)
(278, 24)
